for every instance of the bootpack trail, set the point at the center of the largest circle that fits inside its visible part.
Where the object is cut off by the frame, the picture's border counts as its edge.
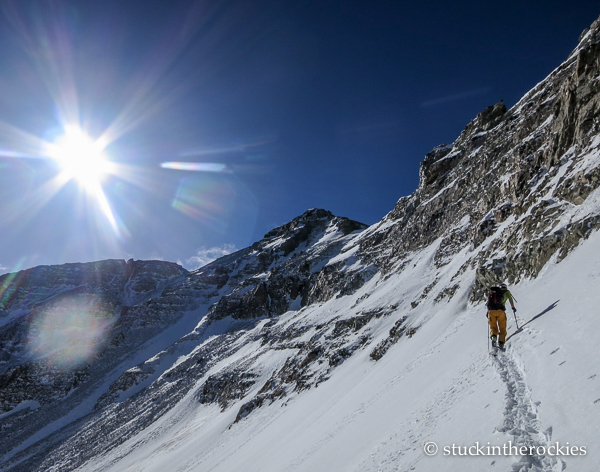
(521, 417)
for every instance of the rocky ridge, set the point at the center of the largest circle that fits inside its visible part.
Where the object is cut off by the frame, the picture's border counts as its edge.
(506, 183)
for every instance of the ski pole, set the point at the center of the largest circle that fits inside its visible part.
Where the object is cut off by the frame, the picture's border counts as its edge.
(515, 315)
(487, 334)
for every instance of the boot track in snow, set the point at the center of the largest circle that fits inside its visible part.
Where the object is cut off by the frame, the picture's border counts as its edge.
(521, 420)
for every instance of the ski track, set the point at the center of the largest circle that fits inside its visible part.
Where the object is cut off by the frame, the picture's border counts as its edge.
(520, 417)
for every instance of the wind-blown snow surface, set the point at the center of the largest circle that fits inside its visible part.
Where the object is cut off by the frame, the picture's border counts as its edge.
(440, 385)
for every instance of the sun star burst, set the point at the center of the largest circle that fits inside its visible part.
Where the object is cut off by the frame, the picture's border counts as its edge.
(80, 158)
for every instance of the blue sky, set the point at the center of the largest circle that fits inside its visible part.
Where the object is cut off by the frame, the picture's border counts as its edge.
(224, 119)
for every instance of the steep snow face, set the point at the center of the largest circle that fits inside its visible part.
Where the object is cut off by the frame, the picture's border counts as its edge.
(63, 332)
(331, 346)
(303, 391)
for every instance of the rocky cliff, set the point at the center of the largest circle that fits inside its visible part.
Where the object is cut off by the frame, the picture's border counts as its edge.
(507, 182)
(516, 190)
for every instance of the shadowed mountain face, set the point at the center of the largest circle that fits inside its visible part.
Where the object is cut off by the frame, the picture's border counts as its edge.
(92, 354)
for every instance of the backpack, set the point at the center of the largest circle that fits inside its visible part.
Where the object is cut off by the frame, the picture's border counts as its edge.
(495, 299)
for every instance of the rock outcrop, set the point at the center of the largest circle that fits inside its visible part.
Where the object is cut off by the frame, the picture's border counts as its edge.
(507, 181)
(287, 265)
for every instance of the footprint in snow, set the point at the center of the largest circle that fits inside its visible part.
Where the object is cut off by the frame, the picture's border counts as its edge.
(521, 421)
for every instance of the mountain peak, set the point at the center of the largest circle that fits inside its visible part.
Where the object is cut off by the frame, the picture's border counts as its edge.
(312, 217)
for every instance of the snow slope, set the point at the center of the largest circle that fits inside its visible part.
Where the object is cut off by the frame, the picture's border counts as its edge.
(441, 385)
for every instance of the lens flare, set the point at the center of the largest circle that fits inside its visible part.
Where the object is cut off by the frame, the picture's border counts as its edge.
(70, 332)
(205, 200)
(195, 166)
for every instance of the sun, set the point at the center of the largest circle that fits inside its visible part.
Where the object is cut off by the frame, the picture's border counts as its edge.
(83, 160)
(80, 158)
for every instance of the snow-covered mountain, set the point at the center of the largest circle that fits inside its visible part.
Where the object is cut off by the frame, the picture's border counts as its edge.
(328, 345)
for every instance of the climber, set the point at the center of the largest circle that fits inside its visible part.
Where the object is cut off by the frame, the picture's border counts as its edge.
(497, 299)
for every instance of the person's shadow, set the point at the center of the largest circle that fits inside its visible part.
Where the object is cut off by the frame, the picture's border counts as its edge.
(551, 307)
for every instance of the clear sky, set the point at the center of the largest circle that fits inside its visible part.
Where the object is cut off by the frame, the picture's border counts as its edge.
(180, 130)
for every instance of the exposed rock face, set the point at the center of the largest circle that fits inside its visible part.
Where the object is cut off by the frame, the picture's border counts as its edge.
(507, 180)
(44, 305)
(286, 265)
(515, 190)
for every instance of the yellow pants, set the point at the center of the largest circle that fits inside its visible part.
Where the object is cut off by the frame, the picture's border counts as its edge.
(497, 321)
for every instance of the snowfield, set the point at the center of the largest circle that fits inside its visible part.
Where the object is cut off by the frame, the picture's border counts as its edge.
(440, 386)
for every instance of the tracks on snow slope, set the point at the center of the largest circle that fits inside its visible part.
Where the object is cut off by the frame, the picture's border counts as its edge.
(521, 420)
